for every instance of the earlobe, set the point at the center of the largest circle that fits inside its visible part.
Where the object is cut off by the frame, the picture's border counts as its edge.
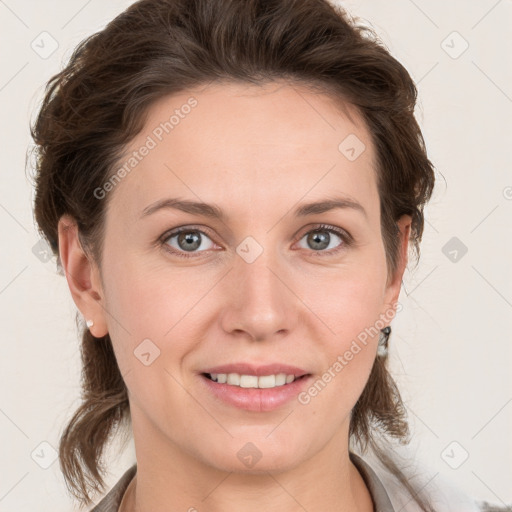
(82, 276)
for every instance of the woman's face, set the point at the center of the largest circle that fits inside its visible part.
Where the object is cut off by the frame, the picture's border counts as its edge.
(258, 284)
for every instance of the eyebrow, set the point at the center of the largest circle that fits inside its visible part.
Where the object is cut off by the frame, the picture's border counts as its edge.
(214, 212)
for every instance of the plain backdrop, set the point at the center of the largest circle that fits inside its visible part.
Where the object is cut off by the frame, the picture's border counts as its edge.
(451, 345)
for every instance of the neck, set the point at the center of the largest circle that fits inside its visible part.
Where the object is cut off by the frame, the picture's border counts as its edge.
(326, 481)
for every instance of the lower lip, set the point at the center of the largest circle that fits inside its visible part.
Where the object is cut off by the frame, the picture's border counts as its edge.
(256, 399)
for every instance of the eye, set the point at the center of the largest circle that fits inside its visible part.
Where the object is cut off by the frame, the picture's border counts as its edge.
(326, 239)
(186, 240)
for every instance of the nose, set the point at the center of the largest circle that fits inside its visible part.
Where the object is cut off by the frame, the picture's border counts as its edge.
(260, 303)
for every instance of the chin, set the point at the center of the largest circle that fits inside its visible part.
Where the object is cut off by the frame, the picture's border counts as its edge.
(261, 467)
(254, 455)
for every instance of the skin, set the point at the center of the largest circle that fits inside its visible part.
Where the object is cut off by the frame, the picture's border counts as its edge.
(256, 152)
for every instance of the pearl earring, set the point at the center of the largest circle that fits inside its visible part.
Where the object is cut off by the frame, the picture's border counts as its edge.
(382, 351)
(89, 323)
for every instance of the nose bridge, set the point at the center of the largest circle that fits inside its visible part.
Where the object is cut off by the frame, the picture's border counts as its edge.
(258, 281)
(259, 301)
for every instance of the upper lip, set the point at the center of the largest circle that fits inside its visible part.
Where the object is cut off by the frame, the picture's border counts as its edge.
(258, 370)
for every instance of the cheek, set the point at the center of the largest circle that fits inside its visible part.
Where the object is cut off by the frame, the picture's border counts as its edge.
(151, 308)
(348, 304)
(347, 300)
(135, 311)
(146, 300)
(348, 349)
(147, 317)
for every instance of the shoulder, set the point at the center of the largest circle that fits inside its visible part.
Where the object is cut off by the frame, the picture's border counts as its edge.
(111, 502)
(441, 492)
(491, 507)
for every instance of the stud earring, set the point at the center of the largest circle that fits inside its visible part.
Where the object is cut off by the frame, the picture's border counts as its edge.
(89, 323)
(382, 350)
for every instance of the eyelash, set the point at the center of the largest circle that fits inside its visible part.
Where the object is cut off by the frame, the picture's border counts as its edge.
(346, 237)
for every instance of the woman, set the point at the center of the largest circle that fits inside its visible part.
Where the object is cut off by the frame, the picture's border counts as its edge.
(231, 188)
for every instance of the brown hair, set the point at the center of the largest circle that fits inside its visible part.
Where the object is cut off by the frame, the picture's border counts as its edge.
(98, 103)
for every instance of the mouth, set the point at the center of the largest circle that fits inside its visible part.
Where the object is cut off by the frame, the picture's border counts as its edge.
(254, 381)
(261, 388)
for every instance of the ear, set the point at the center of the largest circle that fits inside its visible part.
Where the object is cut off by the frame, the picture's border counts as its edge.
(82, 275)
(393, 286)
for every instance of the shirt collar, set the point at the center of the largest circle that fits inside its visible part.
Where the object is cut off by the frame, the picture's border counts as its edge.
(380, 498)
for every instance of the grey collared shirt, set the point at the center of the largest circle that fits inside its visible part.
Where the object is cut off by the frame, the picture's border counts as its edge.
(385, 497)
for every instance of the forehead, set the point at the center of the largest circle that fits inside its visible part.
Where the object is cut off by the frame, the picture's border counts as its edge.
(233, 143)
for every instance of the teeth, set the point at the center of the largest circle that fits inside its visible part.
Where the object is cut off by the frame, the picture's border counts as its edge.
(252, 381)
(267, 381)
(233, 379)
(280, 379)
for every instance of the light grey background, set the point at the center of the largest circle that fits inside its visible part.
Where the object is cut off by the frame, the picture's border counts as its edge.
(451, 344)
